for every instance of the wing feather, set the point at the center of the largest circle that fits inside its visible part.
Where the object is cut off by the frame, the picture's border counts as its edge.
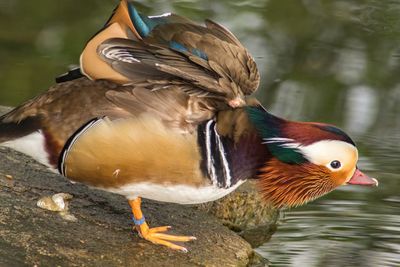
(205, 61)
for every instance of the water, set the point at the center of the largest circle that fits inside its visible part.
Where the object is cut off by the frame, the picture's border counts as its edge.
(322, 60)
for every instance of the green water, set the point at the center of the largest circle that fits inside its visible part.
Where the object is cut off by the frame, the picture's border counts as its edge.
(320, 60)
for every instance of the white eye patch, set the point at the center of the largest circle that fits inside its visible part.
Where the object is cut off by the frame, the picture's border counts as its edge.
(325, 152)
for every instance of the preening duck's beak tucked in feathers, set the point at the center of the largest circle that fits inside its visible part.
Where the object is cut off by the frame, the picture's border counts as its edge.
(307, 160)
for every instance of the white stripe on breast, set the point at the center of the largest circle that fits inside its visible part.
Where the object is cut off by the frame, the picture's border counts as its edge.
(181, 194)
(210, 161)
(225, 163)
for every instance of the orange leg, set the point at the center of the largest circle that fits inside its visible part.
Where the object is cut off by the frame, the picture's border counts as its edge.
(155, 234)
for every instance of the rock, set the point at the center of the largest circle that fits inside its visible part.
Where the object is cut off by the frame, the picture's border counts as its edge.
(244, 212)
(102, 234)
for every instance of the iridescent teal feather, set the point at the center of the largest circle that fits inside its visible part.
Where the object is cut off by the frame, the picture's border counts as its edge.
(269, 127)
(199, 53)
(178, 47)
(181, 48)
(139, 22)
(144, 25)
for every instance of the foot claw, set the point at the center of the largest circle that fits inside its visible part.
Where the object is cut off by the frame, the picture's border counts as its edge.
(159, 229)
(172, 237)
(156, 236)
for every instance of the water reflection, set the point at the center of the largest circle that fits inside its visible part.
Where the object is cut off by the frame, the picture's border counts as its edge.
(351, 63)
(337, 233)
(361, 109)
(336, 61)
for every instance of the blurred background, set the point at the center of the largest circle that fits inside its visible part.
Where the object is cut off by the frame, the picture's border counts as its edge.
(320, 60)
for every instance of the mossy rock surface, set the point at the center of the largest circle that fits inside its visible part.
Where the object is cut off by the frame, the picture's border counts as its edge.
(245, 212)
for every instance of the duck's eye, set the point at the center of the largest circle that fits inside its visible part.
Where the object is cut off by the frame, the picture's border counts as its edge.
(336, 164)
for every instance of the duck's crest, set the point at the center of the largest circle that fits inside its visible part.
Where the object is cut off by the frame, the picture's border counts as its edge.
(270, 128)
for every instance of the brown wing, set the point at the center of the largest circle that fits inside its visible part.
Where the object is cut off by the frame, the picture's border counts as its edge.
(206, 61)
(65, 107)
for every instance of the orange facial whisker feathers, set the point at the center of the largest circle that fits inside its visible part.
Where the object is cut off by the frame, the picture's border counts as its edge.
(295, 185)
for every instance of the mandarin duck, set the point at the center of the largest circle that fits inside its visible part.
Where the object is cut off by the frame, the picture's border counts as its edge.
(161, 113)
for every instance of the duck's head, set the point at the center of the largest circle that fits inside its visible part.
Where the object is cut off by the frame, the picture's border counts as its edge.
(307, 160)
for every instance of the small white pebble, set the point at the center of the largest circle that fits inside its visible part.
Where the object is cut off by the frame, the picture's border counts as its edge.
(56, 202)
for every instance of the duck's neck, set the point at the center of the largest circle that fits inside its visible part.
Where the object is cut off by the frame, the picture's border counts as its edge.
(231, 148)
